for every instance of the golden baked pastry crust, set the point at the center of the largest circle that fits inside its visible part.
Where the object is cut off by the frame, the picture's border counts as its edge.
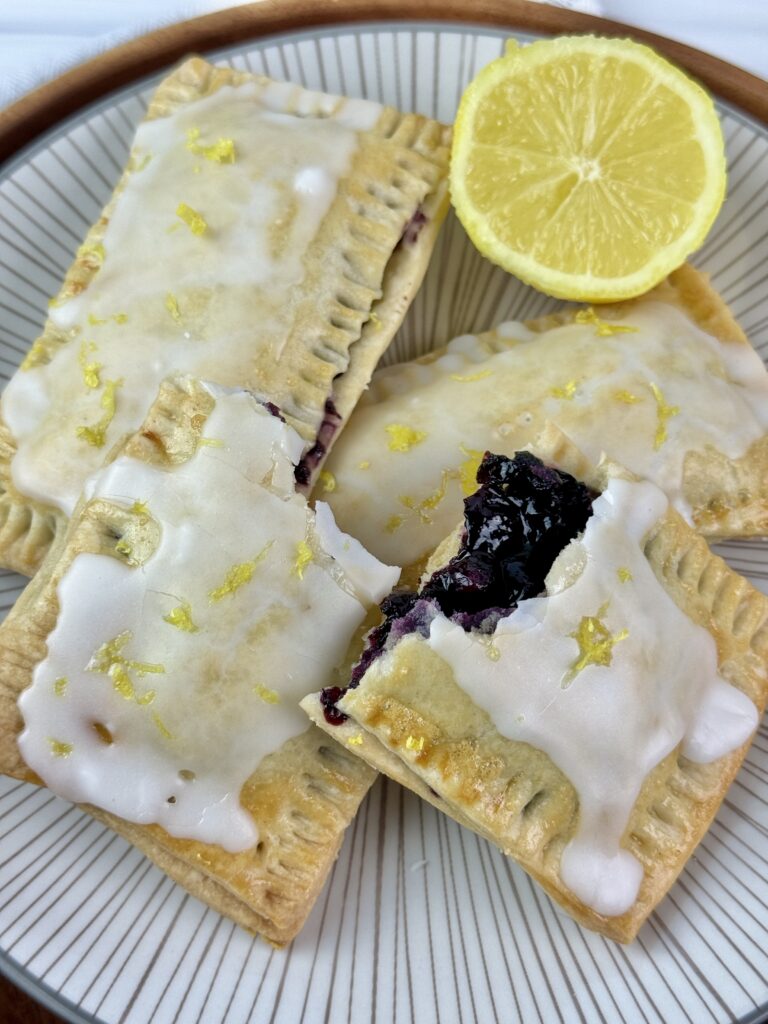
(512, 793)
(301, 797)
(359, 282)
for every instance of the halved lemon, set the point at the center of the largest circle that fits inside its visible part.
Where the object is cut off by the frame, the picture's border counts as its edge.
(588, 167)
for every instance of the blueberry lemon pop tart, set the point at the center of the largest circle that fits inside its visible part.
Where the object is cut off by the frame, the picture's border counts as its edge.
(577, 678)
(262, 236)
(152, 668)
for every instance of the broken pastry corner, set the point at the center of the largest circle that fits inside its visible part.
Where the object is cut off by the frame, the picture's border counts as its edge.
(577, 678)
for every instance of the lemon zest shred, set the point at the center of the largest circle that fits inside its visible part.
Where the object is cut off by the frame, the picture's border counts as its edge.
(239, 575)
(603, 328)
(664, 412)
(365, 464)
(210, 442)
(221, 152)
(91, 377)
(164, 731)
(139, 508)
(328, 480)
(394, 523)
(375, 319)
(60, 749)
(96, 433)
(471, 377)
(96, 321)
(303, 558)
(468, 469)
(181, 618)
(60, 686)
(264, 693)
(566, 392)
(622, 395)
(595, 642)
(195, 221)
(109, 660)
(356, 741)
(172, 305)
(402, 437)
(624, 574)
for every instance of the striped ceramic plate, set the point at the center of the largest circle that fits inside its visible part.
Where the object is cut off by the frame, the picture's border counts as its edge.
(420, 920)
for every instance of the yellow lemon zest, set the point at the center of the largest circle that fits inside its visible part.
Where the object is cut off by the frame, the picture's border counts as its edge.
(664, 412)
(365, 464)
(60, 686)
(402, 438)
(96, 321)
(59, 749)
(265, 694)
(375, 320)
(328, 480)
(221, 152)
(181, 618)
(468, 469)
(91, 377)
(471, 377)
(209, 442)
(356, 741)
(394, 523)
(172, 305)
(625, 396)
(109, 660)
(239, 575)
(139, 508)
(96, 433)
(603, 329)
(624, 574)
(566, 392)
(414, 743)
(162, 729)
(195, 221)
(595, 644)
(303, 557)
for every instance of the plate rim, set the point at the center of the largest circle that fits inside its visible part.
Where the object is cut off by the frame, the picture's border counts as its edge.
(31, 117)
(48, 104)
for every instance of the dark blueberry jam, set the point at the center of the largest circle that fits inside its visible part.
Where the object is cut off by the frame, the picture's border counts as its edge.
(515, 525)
(412, 229)
(273, 410)
(312, 456)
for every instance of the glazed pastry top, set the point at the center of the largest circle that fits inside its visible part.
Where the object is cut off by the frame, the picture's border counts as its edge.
(199, 265)
(645, 389)
(177, 662)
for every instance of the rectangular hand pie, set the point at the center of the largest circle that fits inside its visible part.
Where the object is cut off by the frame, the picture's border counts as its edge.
(152, 669)
(577, 679)
(666, 385)
(263, 236)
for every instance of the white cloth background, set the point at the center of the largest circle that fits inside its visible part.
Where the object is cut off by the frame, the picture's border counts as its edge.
(41, 38)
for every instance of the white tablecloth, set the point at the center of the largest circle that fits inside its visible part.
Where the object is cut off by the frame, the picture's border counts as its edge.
(41, 38)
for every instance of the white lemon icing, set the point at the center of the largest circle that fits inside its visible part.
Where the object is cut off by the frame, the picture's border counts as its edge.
(608, 394)
(196, 297)
(195, 700)
(606, 715)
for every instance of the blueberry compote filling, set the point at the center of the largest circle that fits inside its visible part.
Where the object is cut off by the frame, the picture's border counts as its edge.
(312, 456)
(515, 525)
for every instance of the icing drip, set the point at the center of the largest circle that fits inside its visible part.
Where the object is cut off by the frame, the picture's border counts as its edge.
(607, 679)
(165, 686)
(644, 389)
(259, 180)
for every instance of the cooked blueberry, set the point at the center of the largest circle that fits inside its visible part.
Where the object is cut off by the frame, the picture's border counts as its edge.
(515, 525)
